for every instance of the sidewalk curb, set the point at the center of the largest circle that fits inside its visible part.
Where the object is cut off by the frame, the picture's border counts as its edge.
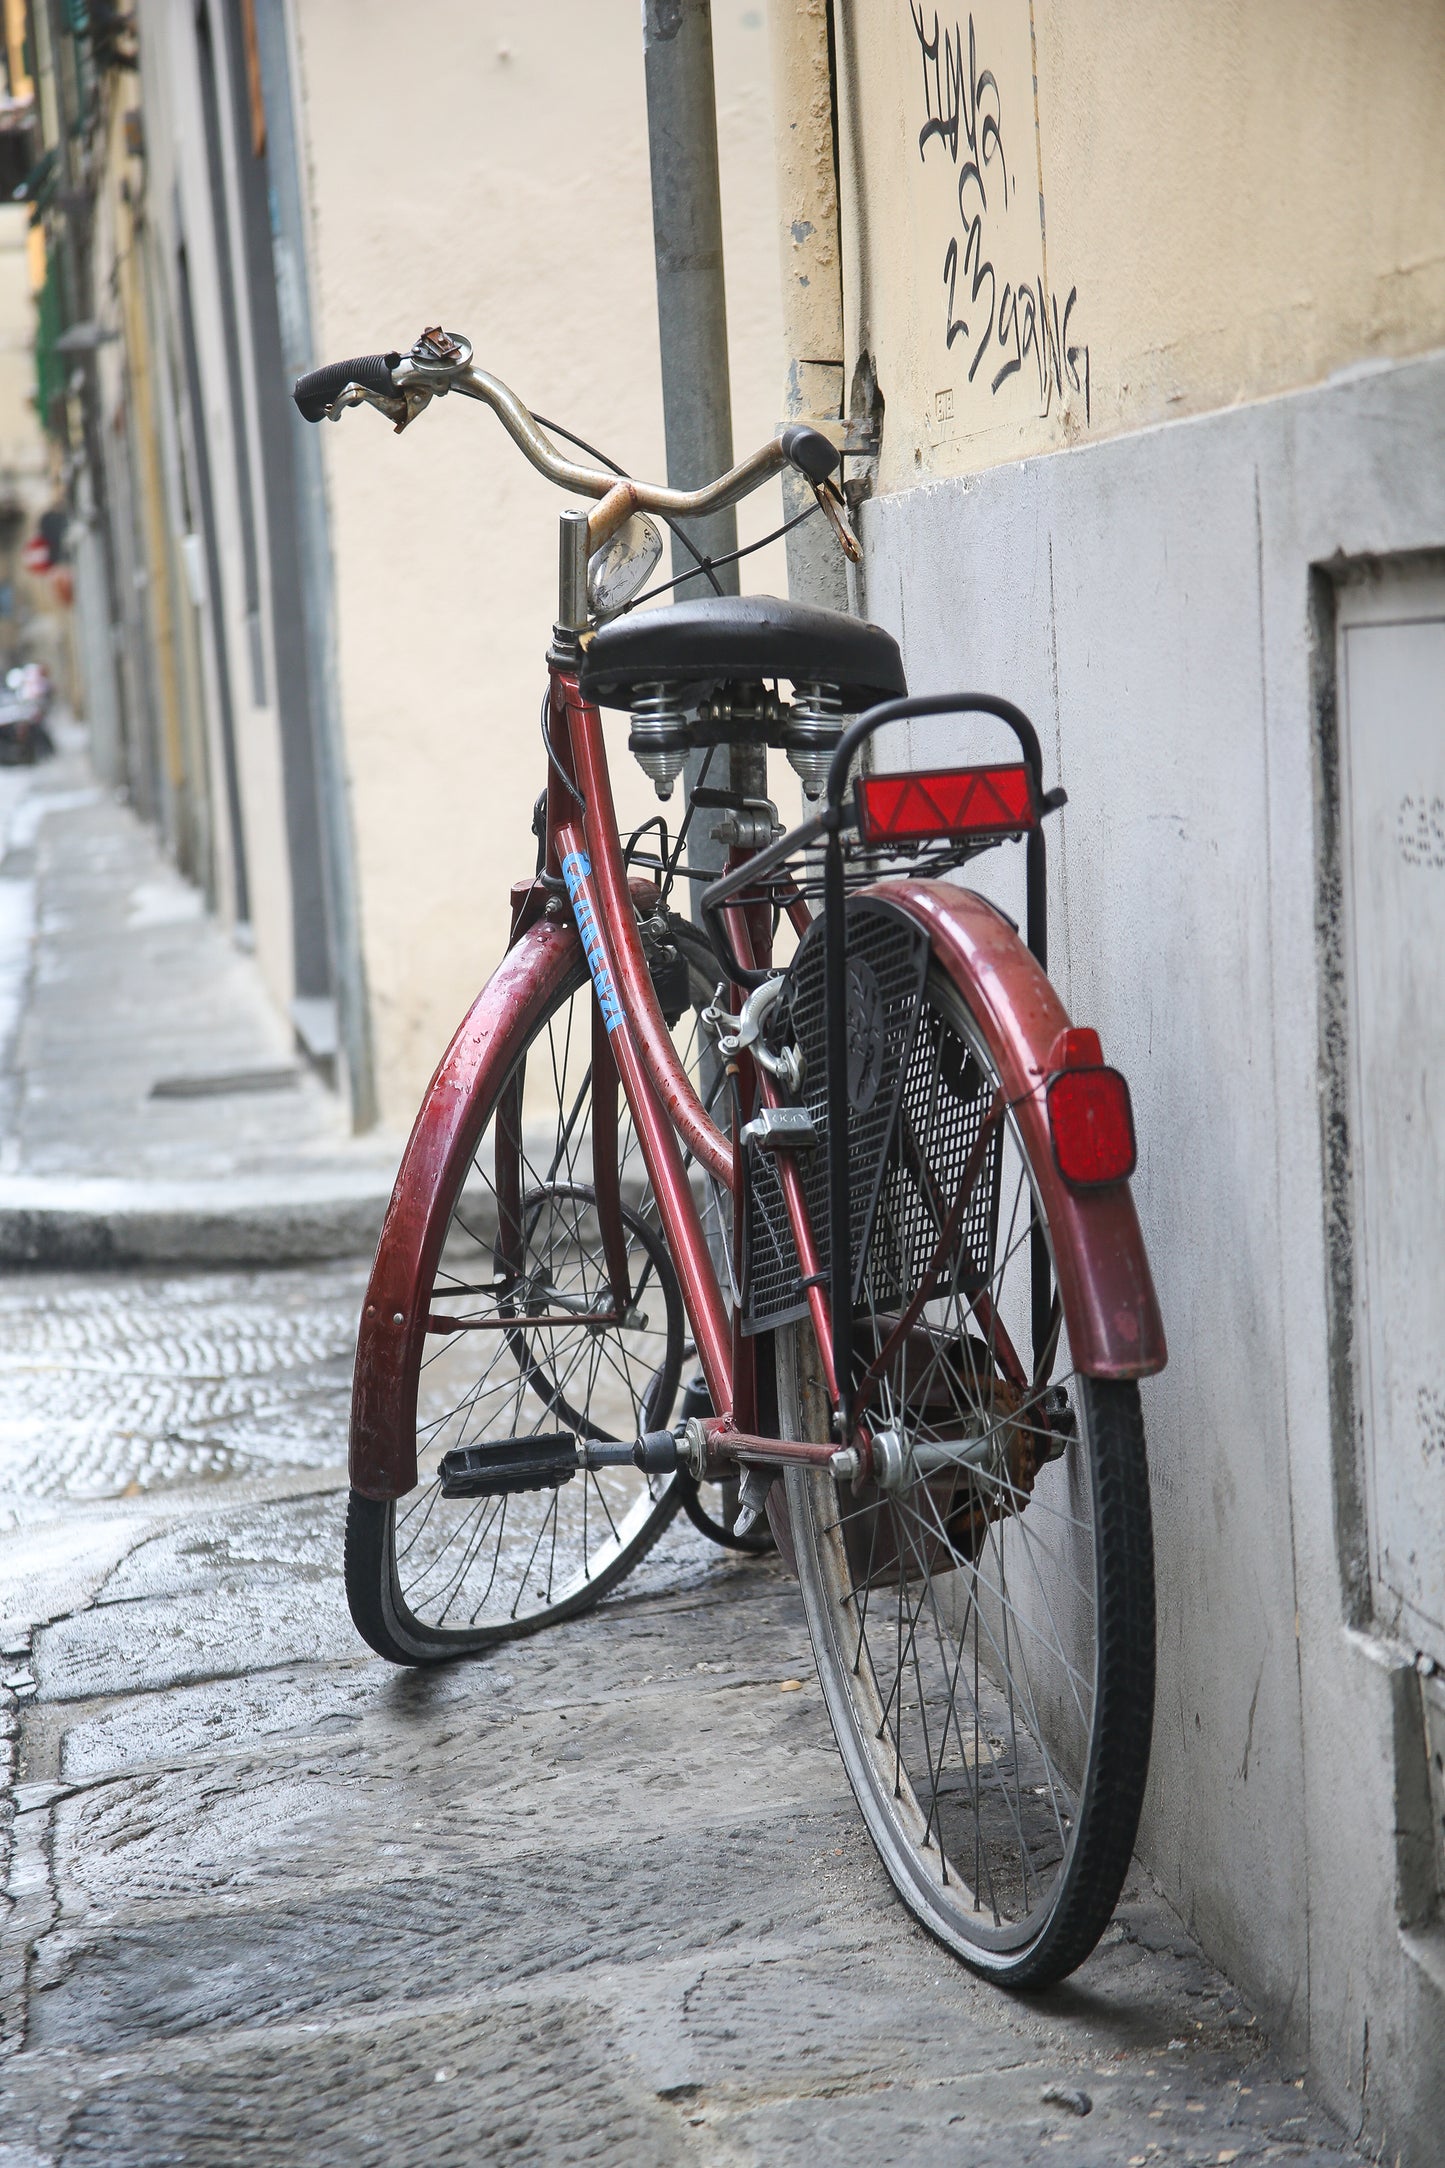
(63, 1223)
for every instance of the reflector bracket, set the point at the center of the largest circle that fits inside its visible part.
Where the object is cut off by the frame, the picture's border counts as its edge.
(1076, 1047)
(926, 803)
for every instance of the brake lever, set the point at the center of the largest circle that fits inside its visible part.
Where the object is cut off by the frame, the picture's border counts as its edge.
(353, 395)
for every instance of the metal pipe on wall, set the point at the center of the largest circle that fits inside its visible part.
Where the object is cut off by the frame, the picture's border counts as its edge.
(805, 133)
(692, 318)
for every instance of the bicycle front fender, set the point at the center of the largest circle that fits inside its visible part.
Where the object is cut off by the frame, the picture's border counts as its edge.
(450, 1121)
(1109, 1303)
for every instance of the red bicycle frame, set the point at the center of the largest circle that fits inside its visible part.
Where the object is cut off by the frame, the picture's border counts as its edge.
(1103, 1274)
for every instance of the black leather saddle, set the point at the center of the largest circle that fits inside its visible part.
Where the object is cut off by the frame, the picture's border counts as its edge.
(698, 645)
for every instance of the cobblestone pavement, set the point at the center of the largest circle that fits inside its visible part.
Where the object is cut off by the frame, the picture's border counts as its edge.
(601, 1898)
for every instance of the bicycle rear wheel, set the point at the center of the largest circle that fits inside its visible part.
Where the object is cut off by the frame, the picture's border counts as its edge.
(983, 1618)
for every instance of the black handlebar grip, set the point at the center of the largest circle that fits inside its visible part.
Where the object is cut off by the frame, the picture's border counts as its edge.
(810, 452)
(315, 391)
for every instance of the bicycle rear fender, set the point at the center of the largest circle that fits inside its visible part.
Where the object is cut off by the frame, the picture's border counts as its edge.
(444, 1135)
(1112, 1312)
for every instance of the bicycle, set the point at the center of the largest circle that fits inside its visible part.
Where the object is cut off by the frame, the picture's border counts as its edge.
(878, 1193)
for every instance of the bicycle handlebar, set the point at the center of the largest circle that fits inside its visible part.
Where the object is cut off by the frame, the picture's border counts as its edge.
(440, 363)
(537, 446)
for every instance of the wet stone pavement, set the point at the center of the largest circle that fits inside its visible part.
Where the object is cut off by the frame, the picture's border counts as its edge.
(603, 1897)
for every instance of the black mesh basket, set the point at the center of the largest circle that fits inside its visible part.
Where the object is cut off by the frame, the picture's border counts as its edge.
(887, 966)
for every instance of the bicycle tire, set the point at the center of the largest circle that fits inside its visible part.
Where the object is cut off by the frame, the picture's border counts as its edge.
(896, 1767)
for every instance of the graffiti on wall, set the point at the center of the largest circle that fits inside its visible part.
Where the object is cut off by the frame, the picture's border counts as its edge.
(999, 313)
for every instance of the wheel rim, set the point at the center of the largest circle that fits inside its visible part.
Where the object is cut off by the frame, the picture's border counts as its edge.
(956, 1611)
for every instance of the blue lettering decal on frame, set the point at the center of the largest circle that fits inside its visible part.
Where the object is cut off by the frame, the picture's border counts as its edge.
(576, 872)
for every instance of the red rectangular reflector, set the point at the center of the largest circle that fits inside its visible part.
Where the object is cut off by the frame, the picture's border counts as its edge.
(1092, 1125)
(931, 802)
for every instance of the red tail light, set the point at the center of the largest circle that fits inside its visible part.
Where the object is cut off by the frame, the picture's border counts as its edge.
(985, 803)
(1092, 1125)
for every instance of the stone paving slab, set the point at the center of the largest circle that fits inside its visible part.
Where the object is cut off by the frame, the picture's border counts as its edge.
(602, 1896)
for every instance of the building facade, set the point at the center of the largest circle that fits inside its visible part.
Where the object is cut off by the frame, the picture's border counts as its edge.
(1142, 312)
(314, 656)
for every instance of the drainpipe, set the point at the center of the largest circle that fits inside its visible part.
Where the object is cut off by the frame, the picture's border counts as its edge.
(692, 323)
(692, 317)
(804, 131)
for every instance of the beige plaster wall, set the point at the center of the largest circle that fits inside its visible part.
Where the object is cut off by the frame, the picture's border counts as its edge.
(1130, 210)
(488, 167)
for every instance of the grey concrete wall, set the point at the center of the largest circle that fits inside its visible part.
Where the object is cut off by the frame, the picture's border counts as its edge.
(1148, 600)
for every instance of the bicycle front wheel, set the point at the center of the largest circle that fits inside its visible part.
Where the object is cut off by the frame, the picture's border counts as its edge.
(983, 1617)
(524, 1337)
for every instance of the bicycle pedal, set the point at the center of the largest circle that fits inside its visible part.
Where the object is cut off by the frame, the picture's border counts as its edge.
(753, 1499)
(542, 1462)
(1059, 1423)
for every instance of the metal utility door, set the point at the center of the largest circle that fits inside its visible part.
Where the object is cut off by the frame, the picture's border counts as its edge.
(1392, 834)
